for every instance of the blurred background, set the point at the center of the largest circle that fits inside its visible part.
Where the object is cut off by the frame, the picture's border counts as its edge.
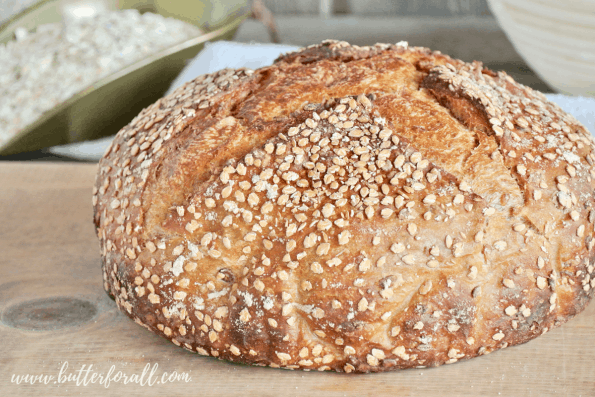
(464, 29)
(505, 35)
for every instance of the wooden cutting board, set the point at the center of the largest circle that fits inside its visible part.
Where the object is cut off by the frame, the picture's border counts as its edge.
(54, 311)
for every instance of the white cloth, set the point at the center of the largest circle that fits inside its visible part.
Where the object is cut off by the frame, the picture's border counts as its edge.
(223, 54)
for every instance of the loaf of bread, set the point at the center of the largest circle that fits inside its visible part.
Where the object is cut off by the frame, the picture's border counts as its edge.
(355, 209)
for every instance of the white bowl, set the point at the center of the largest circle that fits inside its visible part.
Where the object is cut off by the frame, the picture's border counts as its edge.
(556, 38)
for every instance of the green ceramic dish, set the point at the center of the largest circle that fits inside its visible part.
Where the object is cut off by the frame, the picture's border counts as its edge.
(110, 103)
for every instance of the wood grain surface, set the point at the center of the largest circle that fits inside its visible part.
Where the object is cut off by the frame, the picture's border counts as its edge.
(54, 310)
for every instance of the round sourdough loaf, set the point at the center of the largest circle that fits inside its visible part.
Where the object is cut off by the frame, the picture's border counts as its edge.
(349, 208)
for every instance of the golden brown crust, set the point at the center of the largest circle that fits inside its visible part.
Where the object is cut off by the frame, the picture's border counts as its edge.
(351, 209)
